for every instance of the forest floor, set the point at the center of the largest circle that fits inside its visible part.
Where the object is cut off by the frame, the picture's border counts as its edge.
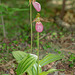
(50, 43)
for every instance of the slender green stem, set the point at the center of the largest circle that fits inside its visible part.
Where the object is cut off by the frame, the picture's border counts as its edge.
(38, 50)
(31, 24)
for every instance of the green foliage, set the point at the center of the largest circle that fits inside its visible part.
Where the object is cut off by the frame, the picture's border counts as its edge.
(46, 46)
(72, 60)
(5, 74)
(33, 70)
(28, 63)
(49, 71)
(49, 59)
(19, 55)
(5, 8)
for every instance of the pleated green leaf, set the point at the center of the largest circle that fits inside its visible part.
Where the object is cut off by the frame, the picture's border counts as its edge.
(49, 59)
(19, 55)
(49, 71)
(26, 64)
(33, 69)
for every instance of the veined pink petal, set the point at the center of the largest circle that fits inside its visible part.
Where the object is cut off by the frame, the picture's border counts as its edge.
(37, 6)
(39, 27)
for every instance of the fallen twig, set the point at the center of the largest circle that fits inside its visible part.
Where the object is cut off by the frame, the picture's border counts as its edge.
(44, 36)
(72, 51)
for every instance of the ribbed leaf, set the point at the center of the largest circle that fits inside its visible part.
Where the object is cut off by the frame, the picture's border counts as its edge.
(49, 59)
(49, 71)
(26, 64)
(33, 69)
(43, 73)
(19, 55)
(52, 70)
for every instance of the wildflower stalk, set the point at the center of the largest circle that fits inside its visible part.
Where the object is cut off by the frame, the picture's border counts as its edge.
(31, 24)
(38, 51)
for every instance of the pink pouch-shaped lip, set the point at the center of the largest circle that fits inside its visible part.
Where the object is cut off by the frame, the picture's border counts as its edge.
(39, 27)
(37, 6)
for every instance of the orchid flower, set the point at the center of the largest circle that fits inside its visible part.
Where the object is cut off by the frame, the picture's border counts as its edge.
(39, 26)
(37, 6)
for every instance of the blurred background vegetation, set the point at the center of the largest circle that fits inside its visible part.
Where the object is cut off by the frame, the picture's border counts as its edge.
(17, 18)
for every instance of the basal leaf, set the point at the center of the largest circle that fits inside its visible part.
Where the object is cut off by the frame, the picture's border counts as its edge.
(26, 64)
(47, 72)
(33, 69)
(49, 59)
(19, 55)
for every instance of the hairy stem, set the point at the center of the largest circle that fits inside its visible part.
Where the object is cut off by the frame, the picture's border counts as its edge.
(31, 24)
(38, 50)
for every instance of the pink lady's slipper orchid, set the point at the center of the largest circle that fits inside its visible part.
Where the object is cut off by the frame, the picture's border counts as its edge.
(39, 27)
(37, 6)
